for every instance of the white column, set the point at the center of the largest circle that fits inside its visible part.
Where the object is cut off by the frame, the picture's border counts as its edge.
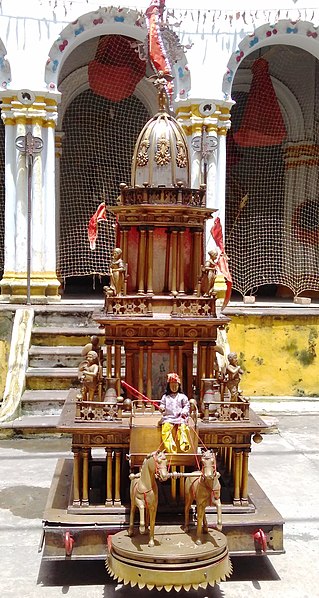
(221, 180)
(39, 116)
(49, 202)
(38, 232)
(195, 158)
(10, 200)
(21, 241)
(211, 200)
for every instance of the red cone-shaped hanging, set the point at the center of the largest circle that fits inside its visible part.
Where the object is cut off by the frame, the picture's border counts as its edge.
(262, 123)
(116, 68)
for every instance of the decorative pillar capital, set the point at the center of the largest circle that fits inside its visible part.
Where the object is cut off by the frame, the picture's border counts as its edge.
(27, 108)
(194, 114)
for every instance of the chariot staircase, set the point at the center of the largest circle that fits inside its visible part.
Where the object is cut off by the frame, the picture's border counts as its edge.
(58, 335)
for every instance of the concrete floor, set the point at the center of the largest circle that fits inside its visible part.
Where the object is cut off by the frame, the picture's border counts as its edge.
(285, 464)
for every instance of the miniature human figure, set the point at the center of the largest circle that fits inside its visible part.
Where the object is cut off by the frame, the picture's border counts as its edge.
(93, 345)
(117, 272)
(88, 375)
(209, 271)
(175, 408)
(234, 373)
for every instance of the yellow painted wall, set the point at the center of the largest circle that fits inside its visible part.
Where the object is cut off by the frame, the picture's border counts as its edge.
(279, 354)
(6, 322)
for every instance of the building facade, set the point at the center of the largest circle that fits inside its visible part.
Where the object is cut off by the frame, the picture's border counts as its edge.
(76, 78)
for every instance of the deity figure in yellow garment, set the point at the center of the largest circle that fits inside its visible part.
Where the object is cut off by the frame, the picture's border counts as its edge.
(174, 406)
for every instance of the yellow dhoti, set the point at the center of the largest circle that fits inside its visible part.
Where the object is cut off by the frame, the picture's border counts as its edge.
(175, 432)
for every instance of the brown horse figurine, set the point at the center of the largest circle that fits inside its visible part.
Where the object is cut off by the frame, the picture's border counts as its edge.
(144, 492)
(205, 490)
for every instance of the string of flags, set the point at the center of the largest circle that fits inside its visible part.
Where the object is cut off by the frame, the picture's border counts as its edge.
(205, 16)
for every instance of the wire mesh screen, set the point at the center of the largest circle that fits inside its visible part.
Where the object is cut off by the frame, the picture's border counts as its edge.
(272, 222)
(98, 143)
(2, 197)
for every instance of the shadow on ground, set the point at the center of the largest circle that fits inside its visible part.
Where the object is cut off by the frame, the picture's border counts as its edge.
(24, 501)
(72, 573)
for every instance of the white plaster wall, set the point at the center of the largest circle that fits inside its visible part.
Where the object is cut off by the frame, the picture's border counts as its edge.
(29, 29)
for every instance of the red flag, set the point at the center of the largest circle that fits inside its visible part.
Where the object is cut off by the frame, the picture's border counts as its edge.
(222, 262)
(100, 214)
(157, 53)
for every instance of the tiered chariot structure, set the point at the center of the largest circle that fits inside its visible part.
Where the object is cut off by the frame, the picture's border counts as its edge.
(159, 317)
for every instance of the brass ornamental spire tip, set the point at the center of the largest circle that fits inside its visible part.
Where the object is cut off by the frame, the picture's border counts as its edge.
(160, 80)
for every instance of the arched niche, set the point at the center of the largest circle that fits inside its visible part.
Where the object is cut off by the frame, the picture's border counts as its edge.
(111, 21)
(301, 34)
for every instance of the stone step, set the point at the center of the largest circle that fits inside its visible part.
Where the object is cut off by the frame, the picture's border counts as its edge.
(53, 356)
(43, 402)
(64, 336)
(28, 425)
(65, 315)
(48, 378)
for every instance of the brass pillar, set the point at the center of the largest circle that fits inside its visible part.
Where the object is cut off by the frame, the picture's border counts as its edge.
(181, 263)
(203, 356)
(109, 498)
(129, 367)
(117, 493)
(85, 478)
(174, 263)
(189, 383)
(117, 366)
(167, 260)
(150, 244)
(76, 476)
(180, 360)
(141, 262)
(196, 258)
(140, 371)
(237, 453)
(229, 459)
(125, 245)
(109, 359)
(244, 481)
(149, 370)
(171, 356)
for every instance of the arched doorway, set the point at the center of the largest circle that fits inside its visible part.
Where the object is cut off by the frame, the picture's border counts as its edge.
(272, 221)
(99, 135)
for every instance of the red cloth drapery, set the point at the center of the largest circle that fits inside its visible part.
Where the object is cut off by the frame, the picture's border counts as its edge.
(222, 261)
(116, 68)
(100, 214)
(262, 123)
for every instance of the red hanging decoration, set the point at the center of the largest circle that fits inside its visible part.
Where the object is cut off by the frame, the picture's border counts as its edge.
(262, 123)
(116, 68)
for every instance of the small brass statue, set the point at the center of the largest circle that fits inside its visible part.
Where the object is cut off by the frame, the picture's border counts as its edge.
(209, 271)
(117, 273)
(234, 374)
(88, 375)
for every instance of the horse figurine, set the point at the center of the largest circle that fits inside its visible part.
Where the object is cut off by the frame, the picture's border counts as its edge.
(205, 490)
(144, 492)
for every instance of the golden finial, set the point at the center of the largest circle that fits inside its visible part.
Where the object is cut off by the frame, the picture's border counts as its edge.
(160, 80)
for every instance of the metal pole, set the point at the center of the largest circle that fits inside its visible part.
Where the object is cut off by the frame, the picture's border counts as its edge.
(29, 146)
(29, 213)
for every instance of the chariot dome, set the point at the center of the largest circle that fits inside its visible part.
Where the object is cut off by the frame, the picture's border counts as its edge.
(161, 153)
